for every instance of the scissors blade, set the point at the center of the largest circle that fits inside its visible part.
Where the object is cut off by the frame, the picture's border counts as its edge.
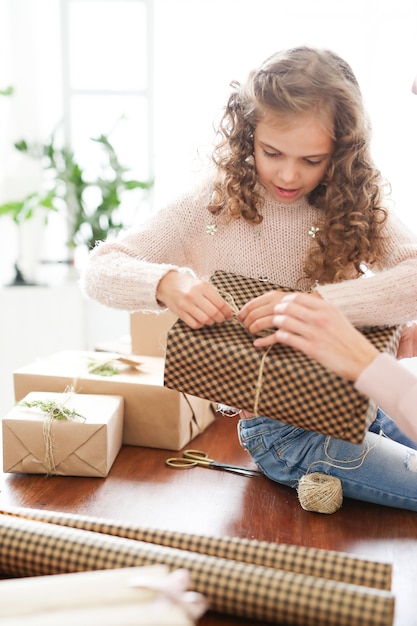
(235, 469)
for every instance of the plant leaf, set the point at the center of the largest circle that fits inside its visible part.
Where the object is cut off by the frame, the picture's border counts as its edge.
(137, 184)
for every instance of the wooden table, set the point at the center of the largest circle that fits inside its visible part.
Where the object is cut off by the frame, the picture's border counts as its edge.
(142, 489)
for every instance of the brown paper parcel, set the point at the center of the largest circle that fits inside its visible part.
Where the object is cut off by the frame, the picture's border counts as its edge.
(78, 448)
(221, 364)
(148, 332)
(154, 416)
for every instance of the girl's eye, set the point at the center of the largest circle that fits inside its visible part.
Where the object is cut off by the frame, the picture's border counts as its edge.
(275, 155)
(313, 162)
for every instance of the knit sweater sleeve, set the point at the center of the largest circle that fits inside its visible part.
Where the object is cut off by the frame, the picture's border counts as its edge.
(387, 296)
(124, 273)
(394, 389)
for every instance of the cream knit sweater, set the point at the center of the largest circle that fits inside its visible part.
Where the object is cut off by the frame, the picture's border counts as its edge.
(184, 235)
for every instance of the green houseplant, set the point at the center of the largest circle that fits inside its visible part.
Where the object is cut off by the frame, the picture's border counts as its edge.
(7, 91)
(64, 190)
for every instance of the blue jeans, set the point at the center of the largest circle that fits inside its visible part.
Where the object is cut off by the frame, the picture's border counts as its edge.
(382, 469)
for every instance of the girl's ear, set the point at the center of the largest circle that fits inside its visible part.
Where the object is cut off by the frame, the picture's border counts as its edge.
(414, 89)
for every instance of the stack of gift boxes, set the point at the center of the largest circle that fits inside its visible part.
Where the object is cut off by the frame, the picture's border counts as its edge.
(74, 410)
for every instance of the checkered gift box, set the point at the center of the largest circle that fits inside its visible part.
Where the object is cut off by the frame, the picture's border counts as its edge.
(221, 364)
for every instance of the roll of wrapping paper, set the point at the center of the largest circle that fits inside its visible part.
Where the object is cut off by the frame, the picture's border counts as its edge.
(30, 548)
(327, 564)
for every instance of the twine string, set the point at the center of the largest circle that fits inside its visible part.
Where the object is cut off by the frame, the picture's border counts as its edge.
(339, 463)
(259, 383)
(318, 492)
(49, 444)
(53, 411)
(323, 493)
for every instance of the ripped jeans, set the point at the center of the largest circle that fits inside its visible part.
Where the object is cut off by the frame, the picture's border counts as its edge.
(382, 469)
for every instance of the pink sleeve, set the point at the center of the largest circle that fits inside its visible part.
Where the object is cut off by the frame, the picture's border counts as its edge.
(394, 389)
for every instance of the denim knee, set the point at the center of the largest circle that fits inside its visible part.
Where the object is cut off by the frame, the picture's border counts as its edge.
(283, 452)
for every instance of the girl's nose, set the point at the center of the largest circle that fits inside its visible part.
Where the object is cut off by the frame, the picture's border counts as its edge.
(288, 172)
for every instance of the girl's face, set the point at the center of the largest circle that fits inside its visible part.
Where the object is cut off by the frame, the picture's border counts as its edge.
(291, 158)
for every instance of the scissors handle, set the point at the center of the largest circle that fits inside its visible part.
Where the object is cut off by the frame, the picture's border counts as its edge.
(197, 455)
(181, 462)
(201, 458)
(192, 458)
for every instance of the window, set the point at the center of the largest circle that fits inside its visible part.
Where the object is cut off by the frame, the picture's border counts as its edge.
(166, 65)
(107, 71)
(107, 78)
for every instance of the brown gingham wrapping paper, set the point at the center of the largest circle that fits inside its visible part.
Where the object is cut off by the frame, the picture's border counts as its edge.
(220, 363)
(31, 547)
(327, 564)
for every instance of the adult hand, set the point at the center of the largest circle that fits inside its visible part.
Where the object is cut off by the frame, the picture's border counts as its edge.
(408, 342)
(193, 300)
(322, 332)
(258, 314)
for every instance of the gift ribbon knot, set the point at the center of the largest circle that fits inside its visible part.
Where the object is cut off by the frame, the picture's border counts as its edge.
(53, 411)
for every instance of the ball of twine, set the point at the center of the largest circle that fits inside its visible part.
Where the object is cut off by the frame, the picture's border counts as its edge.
(320, 493)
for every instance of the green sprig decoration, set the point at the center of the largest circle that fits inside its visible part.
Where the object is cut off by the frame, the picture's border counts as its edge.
(54, 409)
(102, 369)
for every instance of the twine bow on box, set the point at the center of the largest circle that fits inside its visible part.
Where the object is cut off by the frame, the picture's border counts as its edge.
(53, 411)
(258, 387)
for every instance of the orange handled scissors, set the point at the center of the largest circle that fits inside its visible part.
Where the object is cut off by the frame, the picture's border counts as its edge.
(192, 458)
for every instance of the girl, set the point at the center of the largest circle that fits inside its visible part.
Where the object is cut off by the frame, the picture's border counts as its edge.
(294, 198)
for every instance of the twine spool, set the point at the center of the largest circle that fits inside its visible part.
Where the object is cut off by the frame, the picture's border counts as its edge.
(320, 493)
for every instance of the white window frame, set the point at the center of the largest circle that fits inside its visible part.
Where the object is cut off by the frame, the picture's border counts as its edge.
(69, 92)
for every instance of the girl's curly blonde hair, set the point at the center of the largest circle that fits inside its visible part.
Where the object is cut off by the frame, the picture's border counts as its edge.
(295, 82)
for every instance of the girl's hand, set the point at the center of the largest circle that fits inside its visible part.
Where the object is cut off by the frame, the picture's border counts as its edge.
(258, 314)
(408, 343)
(322, 332)
(194, 301)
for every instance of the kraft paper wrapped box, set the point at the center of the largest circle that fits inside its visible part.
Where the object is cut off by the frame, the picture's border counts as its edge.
(36, 441)
(148, 332)
(154, 416)
(221, 364)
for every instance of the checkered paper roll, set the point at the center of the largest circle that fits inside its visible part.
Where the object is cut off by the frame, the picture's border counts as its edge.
(278, 382)
(326, 564)
(31, 548)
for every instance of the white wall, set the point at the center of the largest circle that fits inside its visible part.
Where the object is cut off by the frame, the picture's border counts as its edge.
(201, 46)
(31, 63)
